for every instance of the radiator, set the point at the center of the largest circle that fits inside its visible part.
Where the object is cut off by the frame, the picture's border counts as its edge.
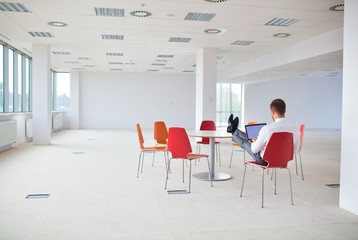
(28, 128)
(8, 133)
(57, 122)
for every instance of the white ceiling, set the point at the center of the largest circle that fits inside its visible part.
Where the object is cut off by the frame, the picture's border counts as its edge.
(146, 38)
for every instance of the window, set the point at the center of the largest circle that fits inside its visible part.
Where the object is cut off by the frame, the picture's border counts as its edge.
(1, 78)
(15, 80)
(229, 101)
(60, 91)
(10, 98)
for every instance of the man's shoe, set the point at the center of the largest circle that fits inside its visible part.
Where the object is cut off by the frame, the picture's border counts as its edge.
(230, 123)
(235, 124)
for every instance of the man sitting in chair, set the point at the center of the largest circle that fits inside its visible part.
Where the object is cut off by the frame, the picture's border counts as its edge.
(255, 147)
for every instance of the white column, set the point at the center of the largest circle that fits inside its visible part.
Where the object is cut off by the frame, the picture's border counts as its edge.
(41, 94)
(75, 100)
(349, 164)
(206, 75)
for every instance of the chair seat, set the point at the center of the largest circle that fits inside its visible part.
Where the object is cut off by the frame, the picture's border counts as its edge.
(156, 148)
(192, 156)
(256, 164)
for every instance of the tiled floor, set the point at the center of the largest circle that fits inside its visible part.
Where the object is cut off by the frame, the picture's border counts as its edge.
(94, 194)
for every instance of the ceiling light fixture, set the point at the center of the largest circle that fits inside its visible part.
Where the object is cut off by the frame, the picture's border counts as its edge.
(140, 13)
(337, 8)
(83, 58)
(281, 22)
(281, 35)
(215, 1)
(57, 24)
(13, 7)
(41, 34)
(212, 31)
(242, 42)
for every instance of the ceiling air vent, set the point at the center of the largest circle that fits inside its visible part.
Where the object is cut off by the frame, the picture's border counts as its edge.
(153, 70)
(116, 69)
(165, 56)
(199, 16)
(109, 12)
(179, 39)
(281, 22)
(61, 53)
(114, 54)
(115, 63)
(13, 7)
(112, 37)
(242, 43)
(41, 34)
(158, 64)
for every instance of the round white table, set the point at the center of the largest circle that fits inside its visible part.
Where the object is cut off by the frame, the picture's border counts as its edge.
(212, 135)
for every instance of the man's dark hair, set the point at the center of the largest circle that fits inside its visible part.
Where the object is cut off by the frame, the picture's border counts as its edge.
(279, 106)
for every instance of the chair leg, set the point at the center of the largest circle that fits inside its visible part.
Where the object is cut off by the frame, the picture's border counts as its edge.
(183, 170)
(190, 177)
(296, 164)
(166, 180)
(141, 171)
(153, 159)
(165, 160)
(210, 177)
(289, 173)
(243, 179)
(140, 157)
(301, 165)
(275, 186)
(232, 153)
(263, 186)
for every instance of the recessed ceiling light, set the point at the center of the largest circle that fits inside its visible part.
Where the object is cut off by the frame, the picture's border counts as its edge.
(61, 53)
(282, 35)
(83, 58)
(116, 69)
(165, 56)
(57, 24)
(117, 54)
(215, 1)
(212, 31)
(337, 7)
(112, 37)
(89, 65)
(140, 13)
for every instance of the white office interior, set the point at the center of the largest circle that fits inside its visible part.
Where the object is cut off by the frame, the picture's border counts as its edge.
(320, 100)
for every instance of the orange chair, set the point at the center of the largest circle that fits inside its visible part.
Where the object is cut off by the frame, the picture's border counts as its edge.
(180, 148)
(160, 135)
(160, 132)
(279, 151)
(302, 131)
(208, 125)
(235, 145)
(148, 149)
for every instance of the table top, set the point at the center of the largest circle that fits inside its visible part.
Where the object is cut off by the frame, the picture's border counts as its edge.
(210, 134)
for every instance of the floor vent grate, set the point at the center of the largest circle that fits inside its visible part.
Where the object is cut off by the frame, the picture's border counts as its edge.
(178, 192)
(333, 185)
(38, 196)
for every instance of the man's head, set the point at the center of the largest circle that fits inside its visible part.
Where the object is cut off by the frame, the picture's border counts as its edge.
(278, 108)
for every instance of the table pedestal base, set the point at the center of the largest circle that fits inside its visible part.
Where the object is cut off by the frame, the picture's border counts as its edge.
(204, 176)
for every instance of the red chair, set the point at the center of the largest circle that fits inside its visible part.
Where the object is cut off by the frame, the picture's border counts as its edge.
(302, 131)
(148, 149)
(208, 125)
(279, 151)
(180, 148)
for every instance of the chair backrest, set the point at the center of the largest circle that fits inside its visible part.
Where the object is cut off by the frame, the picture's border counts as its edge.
(140, 136)
(207, 125)
(302, 131)
(178, 142)
(160, 132)
(279, 150)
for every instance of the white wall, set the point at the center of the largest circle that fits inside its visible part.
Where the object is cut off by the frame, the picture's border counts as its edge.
(120, 100)
(314, 101)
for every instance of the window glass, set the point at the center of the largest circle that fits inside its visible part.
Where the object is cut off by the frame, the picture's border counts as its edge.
(27, 107)
(61, 91)
(19, 83)
(1, 78)
(228, 102)
(11, 81)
